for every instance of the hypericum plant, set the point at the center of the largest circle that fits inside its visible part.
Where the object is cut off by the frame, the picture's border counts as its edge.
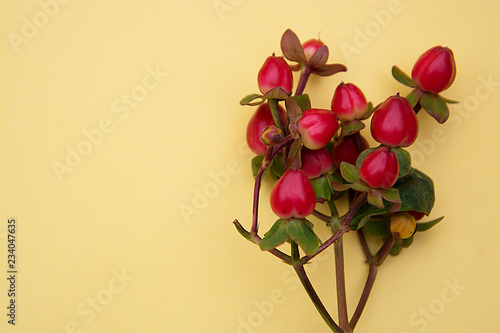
(317, 156)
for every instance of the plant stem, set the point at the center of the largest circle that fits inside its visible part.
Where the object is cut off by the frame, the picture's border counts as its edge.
(370, 280)
(374, 263)
(344, 227)
(254, 238)
(304, 76)
(301, 273)
(322, 216)
(384, 250)
(256, 189)
(358, 141)
(340, 282)
(364, 245)
(270, 152)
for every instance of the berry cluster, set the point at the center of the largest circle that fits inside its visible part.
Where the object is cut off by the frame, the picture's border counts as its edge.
(318, 155)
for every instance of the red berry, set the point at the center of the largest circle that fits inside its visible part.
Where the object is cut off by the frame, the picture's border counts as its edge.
(261, 119)
(435, 70)
(317, 127)
(311, 46)
(316, 162)
(346, 150)
(293, 195)
(395, 123)
(275, 72)
(380, 168)
(349, 102)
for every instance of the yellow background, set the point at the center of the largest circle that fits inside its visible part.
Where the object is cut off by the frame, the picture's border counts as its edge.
(104, 245)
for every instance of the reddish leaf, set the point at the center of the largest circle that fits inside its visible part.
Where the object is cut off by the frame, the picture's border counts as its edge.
(329, 69)
(319, 57)
(291, 47)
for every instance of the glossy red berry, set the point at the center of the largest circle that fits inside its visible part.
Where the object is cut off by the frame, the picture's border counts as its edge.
(275, 72)
(395, 123)
(311, 46)
(317, 127)
(380, 168)
(261, 119)
(316, 162)
(346, 150)
(349, 102)
(435, 70)
(293, 195)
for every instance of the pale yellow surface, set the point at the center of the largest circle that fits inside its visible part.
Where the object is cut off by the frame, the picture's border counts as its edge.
(102, 243)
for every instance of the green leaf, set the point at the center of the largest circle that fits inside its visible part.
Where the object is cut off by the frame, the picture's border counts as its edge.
(302, 234)
(352, 127)
(375, 198)
(402, 77)
(435, 106)
(349, 172)
(416, 191)
(391, 194)
(337, 177)
(414, 96)
(359, 186)
(407, 242)
(256, 163)
(378, 228)
(277, 166)
(247, 235)
(363, 222)
(396, 249)
(277, 235)
(424, 226)
(303, 101)
(362, 156)
(247, 100)
(449, 101)
(404, 160)
(322, 187)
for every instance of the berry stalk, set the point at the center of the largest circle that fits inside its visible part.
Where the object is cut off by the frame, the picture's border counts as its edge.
(304, 76)
(306, 283)
(340, 282)
(344, 227)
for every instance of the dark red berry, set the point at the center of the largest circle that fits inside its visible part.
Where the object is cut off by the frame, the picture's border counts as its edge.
(347, 150)
(316, 162)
